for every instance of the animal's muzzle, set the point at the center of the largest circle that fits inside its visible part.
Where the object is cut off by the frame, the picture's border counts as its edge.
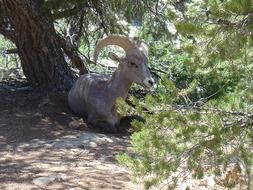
(149, 82)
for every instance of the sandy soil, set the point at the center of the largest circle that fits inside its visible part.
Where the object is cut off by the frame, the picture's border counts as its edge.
(40, 137)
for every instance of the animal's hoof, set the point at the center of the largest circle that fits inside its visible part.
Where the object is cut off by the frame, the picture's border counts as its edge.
(110, 129)
(107, 127)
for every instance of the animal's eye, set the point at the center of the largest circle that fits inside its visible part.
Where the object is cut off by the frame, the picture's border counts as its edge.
(134, 64)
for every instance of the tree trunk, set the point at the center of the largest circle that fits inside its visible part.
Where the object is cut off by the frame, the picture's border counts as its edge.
(40, 52)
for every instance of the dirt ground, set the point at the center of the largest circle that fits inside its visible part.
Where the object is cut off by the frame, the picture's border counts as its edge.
(40, 137)
(43, 145)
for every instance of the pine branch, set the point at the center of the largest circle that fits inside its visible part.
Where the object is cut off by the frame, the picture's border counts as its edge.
(66, 13)
(11, 51)
(212, 110)
(72, 53)
(9, 34)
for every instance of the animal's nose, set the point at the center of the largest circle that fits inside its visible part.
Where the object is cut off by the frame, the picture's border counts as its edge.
(151, 82)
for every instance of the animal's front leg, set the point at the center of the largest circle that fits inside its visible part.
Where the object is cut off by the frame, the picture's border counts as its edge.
(114, 117)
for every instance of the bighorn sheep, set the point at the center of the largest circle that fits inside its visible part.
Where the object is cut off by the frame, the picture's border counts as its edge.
(94, 95)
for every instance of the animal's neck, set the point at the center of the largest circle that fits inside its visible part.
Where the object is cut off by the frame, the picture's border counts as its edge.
(119, 84)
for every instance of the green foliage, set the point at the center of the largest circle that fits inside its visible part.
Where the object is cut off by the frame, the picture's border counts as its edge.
(202, 108)
(7, 60)
(171, 139)
(188, 28)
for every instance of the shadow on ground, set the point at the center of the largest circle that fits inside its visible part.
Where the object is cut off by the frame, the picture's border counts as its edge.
(36, 140)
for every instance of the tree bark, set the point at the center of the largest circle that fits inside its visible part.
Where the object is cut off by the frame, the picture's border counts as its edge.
(39, 50)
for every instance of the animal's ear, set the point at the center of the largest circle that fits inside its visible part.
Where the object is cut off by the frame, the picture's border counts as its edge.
(114, 57)
(144, 48)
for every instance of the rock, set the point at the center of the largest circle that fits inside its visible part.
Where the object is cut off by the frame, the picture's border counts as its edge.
(38, 114)
(93, 144)
(211, 182)
(45, 102)
(45, 180)
(203, 183)
(77, 124)
(75, 188)
(208, 182)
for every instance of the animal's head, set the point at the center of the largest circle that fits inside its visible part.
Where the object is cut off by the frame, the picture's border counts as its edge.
(134, 64)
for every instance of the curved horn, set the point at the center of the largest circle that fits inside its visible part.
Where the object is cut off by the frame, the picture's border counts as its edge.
(121, 41)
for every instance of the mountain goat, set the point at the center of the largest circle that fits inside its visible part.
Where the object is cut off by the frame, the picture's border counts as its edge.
(93, 95)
